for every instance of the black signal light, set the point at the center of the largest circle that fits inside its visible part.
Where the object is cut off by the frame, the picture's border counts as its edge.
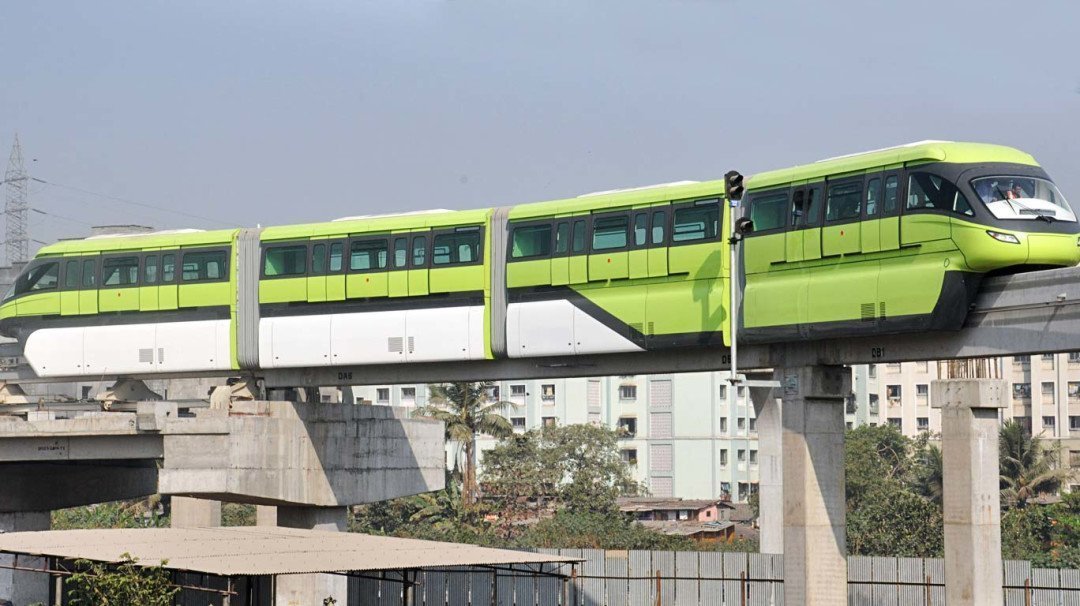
(733, 185)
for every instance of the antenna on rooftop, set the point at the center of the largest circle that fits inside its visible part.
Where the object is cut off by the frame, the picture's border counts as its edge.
(16, 180)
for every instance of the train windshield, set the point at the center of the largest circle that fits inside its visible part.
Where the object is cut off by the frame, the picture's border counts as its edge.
(41, 276)
(1023, 198)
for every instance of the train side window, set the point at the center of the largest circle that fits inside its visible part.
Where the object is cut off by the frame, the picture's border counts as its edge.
(532, 241)
(457, 248)
(367, 255)
(89, 273)
(168, 268)
(873, 196)
(659, 225)
(278, 261)
(578, 241)
(120, 271)
(844, 202)
(698, 222)
(768, 211)
(562, 238)
(609, 233)
(797, 211)
(150, 269)
(336, 254)
(419, 251)
(892, 195)
(401, 252)
(641, 228)
(72, 275)
(318, 259)
(812, 215)
(211, 265)
(931, 191)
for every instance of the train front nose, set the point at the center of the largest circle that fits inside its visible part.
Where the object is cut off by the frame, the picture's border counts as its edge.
(8, 326)
(1053, 249)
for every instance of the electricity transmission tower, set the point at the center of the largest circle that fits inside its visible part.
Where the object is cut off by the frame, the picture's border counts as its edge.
(16, 240)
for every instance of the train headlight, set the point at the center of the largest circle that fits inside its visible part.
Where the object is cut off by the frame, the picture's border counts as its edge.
(1007, 238)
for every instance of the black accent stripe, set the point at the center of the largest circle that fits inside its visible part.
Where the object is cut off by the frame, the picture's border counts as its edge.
(20, 327)
(308, 308)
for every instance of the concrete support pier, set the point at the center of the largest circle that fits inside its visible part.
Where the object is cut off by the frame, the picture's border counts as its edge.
(972, 506)
(815, 542)
(16, 586)
(188, 512)
(305, 589)
(770, 430)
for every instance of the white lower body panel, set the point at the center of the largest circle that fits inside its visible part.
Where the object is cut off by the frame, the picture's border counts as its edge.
(378, 337)
(555, 328)
(130, 348)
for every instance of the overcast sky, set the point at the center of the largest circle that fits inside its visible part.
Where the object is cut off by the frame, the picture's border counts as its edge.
(283, 112)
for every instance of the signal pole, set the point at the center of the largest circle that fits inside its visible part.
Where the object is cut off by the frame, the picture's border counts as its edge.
(16, 241)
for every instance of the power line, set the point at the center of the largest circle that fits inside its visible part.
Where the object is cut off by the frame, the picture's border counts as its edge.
(131, 202)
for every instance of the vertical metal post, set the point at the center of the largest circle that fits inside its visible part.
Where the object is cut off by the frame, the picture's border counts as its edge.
(927, 590)
(228, 592)
(742, 589)
(1027, 592)
(659, 602)
(406, 589)
(733, 304)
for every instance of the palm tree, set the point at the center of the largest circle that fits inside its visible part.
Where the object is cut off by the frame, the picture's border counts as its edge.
(466, 411)
(929, 473)
(1028, 468)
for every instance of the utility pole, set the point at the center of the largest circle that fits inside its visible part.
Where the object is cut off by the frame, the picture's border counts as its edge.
(16, 241)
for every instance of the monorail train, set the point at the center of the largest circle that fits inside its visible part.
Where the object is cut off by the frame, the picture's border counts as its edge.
(874, 243)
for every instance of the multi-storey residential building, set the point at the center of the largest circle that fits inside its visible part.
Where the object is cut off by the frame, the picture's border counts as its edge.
(685, 435)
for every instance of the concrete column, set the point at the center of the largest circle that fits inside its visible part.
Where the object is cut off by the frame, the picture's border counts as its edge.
(21, 587)
(266, 515)
(972, 506)
(770, 432)
(815, 543)
(306, 589)
(195, 513)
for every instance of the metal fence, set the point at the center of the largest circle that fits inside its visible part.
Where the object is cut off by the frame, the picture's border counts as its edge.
(688, 578)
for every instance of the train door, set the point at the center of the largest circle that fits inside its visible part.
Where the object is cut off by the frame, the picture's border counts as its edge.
(71, 280)
(151, 276)
(578, 263)
(167, 290)
(843, 215)
(316, 280)
(793, 239)
(367, 268)
(335, 270)
(889, 224)
(119, 282)
(639, 241)
(812, 217)
(560, 258)
(658, 254)
(608, 251)
(922, 219)
(398, 280)
(871, 213)
(419, 278)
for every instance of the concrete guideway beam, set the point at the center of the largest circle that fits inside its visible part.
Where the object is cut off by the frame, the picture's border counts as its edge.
(814, 534)
(971, 499)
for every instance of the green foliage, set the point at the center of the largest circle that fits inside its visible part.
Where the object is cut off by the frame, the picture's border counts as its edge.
(569, 529)
(123, 584)
(1028, 467)
(237, 514)
(1048, 535)
(141, 513)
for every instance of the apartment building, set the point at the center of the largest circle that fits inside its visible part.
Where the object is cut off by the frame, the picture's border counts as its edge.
(685, 435)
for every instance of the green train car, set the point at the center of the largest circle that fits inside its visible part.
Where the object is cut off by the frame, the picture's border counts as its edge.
(881, 242)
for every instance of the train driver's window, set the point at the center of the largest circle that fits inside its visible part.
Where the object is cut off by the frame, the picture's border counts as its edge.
(532, 241)
(845, 202)
(873, 196)
(43, 277)
(768, 211)
(278, 261)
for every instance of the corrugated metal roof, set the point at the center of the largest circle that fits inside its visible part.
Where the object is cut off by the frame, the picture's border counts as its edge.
(261, 550)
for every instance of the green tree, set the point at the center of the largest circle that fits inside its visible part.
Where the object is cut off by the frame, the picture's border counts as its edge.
(929, 470)
(1028, 467)
(466, 411)
(139, 513)
(123, 584)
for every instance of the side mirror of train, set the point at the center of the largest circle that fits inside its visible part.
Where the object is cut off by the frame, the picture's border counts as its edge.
(744, 226)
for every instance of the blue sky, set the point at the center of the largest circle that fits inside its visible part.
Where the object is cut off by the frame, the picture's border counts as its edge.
(283, 112)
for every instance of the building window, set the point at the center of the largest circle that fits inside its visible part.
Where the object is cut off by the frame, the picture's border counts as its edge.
(1074, 357)
(922, 423)
(753, 457)
(723, 392)
(1024, 422)
(518, 422)
(629, 456)
(628, 392)
(741, 455)
(874, 400)
(1022, 360)
(723, 424)
(548, 421)
(1048, 389)
(922, 366)
(1021, 391)
(627, 426)
(741, 424)
(850, 406)
(517, 390)
(382, 394)
(1074, 459)
(547, 392)
(1049, 422)
(753, 424)
(325, 398)
(741, 392)
(849, 425)
(408, 394)
(1074, 423)
(723, 457)
(922, 390)
(892, 392)
(491, 392)
(1074, 389)
(897, 423)
(873, 371)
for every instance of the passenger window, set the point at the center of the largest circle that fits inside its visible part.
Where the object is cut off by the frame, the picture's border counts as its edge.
(696, 223)
(768, 211)
(89, 273)
(419, 251)
(401, 252)
(845, 202)
(150, 270)
(892, 195)
(579, 237)
(533, 241)
(609, 233)
(168, 268)
(456, 248)
(72, 274)
(279, 261)
(120, 271)
(43, 277)
(318, 259)
(335, 256)
(659, 224)
(812, 215)
(931, 191)
(873, 196)
(366, 255)
(641, 229)
(562, 238)
(210, 265)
